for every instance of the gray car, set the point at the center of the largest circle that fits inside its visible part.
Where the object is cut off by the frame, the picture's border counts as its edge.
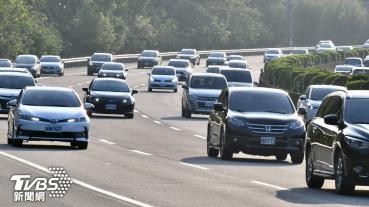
(183, 68)
(6, 63)
(30, 62)
(52, 64)
(149, 58)
(48, 114)
(310, 101)
(201, 92)
(113, 70)
(163, 77)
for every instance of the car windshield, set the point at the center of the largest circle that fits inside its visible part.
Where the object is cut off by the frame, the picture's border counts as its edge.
(326, 46)
(273, 52)
(360, 71)
(163, 71)
(50, 98)
(217, 55)
(343, 69)
(102, 58)
(112, 67)
(203, 82)
(352, 62)
(356, 111)
(15, 82)
(229, 58)
(179, 64)
(5, 63)
(299, 52)
(318, 94)
(109, 85)
(50, 59)
(25, 60)
(237, 65)
(187, 52)
(148, 54)
(237, 76)
(212, 70)
(247, 101)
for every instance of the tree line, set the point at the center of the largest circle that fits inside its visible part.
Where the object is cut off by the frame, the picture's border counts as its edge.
(74, 28)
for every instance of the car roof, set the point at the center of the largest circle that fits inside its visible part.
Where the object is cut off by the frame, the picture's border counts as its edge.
(157, 51)
(15, 74)
(4, 69)
(360, 68)
(327, 86)
(113, 63)
(163, 67)
(218, 66)
(179, 60)
(27, 56)
(352, 94)
(51, 56)
(237, 69)
(207, 75)
(257, 89)
(110, 79)
(98, 53)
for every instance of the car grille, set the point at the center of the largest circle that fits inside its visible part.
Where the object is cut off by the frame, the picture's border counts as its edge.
(208, 98)
(268, 129)
(48, 67)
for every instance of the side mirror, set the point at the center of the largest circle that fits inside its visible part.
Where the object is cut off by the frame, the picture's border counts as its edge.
(36, 81)
(302, 98)
(301, 111)
(12, 103)
(38, 62)
(256, 83)
(331, 119)
(126, 70)
(149, 74)
(86, 90)
(89, 106)
(185, 86)
(134, 92)
(218, 107)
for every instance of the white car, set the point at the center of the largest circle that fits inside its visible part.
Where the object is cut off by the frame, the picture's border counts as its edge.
(325, 47)
(354, 61)
(272, 54)
(344, 69)
(300, 52)
(324, 42)
(164, 78)
(366, 61)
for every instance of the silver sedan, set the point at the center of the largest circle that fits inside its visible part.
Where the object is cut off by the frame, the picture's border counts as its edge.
(48, 114)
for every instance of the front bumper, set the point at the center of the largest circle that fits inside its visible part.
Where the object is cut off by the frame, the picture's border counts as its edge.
(163, 85)
(112, 107)
(202, 106)
(356, 162)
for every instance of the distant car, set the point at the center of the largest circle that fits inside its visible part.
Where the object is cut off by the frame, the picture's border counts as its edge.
(237, 64)
(272, 54)
(233, 57)
(51, 64)
(201, 92)
(215, 68)
(325, 42)
(191, 55)
(96, 61)
(337, 142)
(163, 77)
(11, 84)
(149, 58)
(113, 70)
(30, 62)
(366, 61)
(344, 69)
(300, 52)
(366, 44)
(183, 68)
(110, 96)
(6, 63)
(310, 101)
(48, 114)
(325, 46)
(216, 58)
(257, 121)
(354, 61)
(360, 71)
(238, 77)
(344, 48)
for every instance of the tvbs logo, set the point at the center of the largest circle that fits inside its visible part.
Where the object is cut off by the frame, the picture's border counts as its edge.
(28, 189)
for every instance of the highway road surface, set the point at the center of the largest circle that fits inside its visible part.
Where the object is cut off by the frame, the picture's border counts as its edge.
(159, 159)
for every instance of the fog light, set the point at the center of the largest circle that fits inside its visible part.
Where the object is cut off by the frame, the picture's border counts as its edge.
(358, 170)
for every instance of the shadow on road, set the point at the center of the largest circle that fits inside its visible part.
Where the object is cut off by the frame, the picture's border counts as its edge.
(236, 162)
(309, 196)
(37, 147)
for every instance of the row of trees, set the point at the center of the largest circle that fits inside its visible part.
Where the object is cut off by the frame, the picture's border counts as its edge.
(81, 27)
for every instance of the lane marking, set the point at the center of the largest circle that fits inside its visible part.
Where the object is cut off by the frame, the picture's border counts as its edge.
(199, 136)
(144, 116)
(142, 84)
(157, 122)
(106, 141)
(141, 153)
(174, 128)
(194, 166)
(135, 111)
(269, 185)
(79, 84)
(78, 182)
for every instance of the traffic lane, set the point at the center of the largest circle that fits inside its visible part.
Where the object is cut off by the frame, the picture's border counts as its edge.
(75, 196)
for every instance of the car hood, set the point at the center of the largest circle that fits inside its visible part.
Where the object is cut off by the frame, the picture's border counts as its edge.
(9, 93)
(50, 64)
(163, 77)
(110, 95)
(206, 92)
(112, 71)
(265, 117)
(49, 113)
(240, 84)
(360, 131)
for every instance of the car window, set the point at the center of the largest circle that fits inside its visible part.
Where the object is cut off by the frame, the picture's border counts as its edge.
(5, 63)
(237, 76)
(322, 108)
(25, 60)
(179, 64)
(356, 111)
(318, 94)
(111, 86)
(334, 106)
(50, 59)
(223, 98)
(307, 93)
(149, 54)
(163, 71)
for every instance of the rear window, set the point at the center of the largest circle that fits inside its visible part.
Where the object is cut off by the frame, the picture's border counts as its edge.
(217, 55)
(51, 98)
(237, 65)
(343, 69)
(5, 64)
(50, 59)
(237, 76)
(202, 82)
(353, 62)
(213, 70)
(148, 54)
(188, 52)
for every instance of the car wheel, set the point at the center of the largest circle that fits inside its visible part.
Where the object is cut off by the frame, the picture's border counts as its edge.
(188, 113)
(82, 145)
(225, 152)
(183, 112)
(312, 181)
(89, 113)
(129, 115)
(297, 157)
(343, 183)
(89, 73)
(281, 157)
(175, 90)
(17, 143)
(149, 89)
(212, 152)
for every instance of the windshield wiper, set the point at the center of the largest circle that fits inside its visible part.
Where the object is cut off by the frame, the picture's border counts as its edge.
(275, 112)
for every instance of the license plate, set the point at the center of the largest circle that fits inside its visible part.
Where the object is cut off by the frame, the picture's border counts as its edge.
(53, 128)
(111, 106)
(267, 140)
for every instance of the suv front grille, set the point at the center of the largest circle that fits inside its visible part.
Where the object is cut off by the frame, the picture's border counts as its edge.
(268, 129)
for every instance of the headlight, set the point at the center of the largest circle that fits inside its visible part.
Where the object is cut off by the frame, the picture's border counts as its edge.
(82, 119)
(151, 79)
(125, 101)
(27, 117)
(236, 122)
(357, 143)
(174, 80)
(193, 96)
(95, 99)
(119, 75)
(90, 63)
(296, 125)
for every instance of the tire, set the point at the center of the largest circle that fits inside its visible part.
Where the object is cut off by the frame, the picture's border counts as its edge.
(212, 152)
(297, 157)
(183, 112)
(10, 141)
(89, 73)
(149, 89)
(281, 157)
(17, 143)
(312, 181)
(82, 145)
(343, 183)
(89, 114)
(129, 115)
(225, 152)
(175, 90)
(188, 113)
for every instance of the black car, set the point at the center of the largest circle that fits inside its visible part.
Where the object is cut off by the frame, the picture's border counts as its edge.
(113, 70)
(11, 84)
(110, 96)
(257, 121)
(191, 55)
(96, 61)
(337, 142)
(149, 58)
(216, 58)
(6, 63)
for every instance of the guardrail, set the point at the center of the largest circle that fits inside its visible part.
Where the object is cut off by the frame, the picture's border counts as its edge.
(82, 61)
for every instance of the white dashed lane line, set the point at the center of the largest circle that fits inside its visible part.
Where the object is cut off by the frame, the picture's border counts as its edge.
(144, 116)
(174, 128)
(136, 111)
(194, 166)
(199, 136)
(157, 122)
(268, 185)
(106, 142)
(79, 84)
(141, 153)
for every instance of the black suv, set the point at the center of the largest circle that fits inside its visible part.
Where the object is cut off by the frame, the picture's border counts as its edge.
(337, 142)
(97, 60)
(257, 121)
